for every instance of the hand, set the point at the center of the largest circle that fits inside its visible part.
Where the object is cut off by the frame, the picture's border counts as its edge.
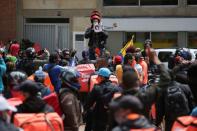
(153, 57)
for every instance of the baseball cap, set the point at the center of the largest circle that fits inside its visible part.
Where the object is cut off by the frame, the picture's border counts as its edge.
(4, 105)
(105, 72)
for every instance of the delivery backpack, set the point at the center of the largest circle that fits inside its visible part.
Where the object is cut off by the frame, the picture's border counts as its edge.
(176, 103)
(107, 94)
(53, 100)
(185, 123)
(39, 122)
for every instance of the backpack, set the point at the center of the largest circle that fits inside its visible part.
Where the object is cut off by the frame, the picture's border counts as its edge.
(185, 123)
(39, 122)
(107, 95)
(176, 103)
(53, 101)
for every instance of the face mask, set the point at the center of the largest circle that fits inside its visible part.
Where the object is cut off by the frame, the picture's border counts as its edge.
(95, 22)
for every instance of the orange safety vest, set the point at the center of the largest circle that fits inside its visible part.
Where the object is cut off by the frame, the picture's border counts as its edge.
(94, 80)
(47, 81)
(185, 123)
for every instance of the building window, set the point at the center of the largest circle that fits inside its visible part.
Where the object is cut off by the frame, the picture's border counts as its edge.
(159, 39)
(192, 39)
(139, 2)
(158, 2)
(120, 2)
(164, 39)
(192, 2)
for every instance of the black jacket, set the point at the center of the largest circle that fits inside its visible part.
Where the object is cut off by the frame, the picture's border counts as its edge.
(4, 126)
(34, 105)
(139, 123)
(100, 96)
(96, 39)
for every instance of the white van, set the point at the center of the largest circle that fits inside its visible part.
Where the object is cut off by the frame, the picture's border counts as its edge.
(164, 54)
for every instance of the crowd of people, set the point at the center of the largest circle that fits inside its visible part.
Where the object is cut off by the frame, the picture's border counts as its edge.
(146, 96)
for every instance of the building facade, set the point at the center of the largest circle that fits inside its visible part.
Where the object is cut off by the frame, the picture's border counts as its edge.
(7, 20)
(61, 23)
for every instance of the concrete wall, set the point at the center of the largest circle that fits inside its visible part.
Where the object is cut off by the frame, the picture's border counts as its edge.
(80, 24)
(7, 20)
(59, 4)
(78, 12)
(115, 41)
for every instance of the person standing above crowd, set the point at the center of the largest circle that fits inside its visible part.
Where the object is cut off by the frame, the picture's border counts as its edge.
(96, 35)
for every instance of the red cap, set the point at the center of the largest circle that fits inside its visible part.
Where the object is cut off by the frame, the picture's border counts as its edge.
(118, 59)
(95, 15)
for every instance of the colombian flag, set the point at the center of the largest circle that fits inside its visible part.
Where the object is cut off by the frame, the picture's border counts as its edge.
(124, 49)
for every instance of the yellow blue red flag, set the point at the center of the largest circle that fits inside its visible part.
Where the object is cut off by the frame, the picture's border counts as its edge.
(124, 49)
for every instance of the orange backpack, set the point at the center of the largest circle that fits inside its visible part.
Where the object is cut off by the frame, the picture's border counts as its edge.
(47, 81)
(53, 101)
(185, 123)
(39, 122)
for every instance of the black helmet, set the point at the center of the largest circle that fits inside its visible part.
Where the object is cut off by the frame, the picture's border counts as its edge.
(16, 77)
(30, 52)
(29, 86)
(70, 77)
